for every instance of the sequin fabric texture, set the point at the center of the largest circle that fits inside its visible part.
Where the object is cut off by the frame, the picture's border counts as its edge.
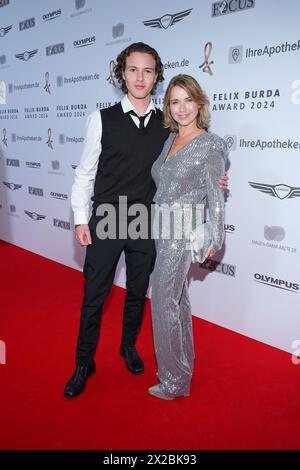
(191, 176)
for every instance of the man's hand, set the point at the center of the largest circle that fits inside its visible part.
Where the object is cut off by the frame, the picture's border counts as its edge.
(83, 235)
(223, 182)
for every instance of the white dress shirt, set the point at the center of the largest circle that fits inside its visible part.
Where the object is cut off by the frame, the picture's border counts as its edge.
(85, 172)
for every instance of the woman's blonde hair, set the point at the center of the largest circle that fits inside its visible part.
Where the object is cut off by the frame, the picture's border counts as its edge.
(195, 92)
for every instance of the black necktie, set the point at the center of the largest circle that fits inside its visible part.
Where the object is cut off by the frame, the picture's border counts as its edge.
(141, 118)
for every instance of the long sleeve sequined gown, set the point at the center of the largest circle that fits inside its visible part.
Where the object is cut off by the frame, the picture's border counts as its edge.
(191, 176)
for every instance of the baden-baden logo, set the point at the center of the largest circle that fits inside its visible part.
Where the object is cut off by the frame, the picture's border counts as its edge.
(55, 165)
(89, 41)
(35, 191)
(118, 30)
(166, 21)
(26, 24)
(79, 4)
(47, 83)
(55, 49)
(274, 232)
(273, 236)
(206, 64)
(26, 55)
(230, 6)
(34, 216)
(4, 31)
(275, 282)
(235, 55)
(281, 191)
(12, 186)
(117, 33)
(12, 162)
(231, 141)
(52, 15)
(49, 141)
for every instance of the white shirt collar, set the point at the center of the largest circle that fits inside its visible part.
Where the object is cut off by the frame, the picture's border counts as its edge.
(128, 106)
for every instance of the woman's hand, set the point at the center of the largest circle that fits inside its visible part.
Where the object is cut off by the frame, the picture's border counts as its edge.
(210, 252)
(223, 182)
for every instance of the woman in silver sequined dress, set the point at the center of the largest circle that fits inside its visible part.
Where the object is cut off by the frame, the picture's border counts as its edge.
(186, 174)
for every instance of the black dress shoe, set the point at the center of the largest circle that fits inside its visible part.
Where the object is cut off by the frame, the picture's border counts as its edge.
(78, 380)
(133, 361)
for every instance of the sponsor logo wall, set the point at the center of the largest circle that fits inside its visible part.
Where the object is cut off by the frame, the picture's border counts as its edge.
(56, 67)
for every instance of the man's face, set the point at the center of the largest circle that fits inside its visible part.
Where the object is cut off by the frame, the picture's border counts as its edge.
(139, 74)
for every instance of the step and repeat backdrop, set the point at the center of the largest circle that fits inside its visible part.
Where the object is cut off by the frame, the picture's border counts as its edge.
(56, 59)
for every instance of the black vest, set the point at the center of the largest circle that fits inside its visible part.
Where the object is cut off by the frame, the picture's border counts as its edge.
(128, 153)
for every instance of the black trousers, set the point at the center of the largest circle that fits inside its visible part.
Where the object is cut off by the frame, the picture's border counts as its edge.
(100, 265)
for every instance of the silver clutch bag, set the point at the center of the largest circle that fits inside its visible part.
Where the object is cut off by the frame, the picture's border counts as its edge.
(200, 241)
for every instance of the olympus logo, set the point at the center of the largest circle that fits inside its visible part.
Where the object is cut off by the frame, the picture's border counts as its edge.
(52, 15)
(230, 6)
(85, 42)
(62, 224)
(35, 191)
(60, 196)
(275, 282)
(55, 49)
(33, 164)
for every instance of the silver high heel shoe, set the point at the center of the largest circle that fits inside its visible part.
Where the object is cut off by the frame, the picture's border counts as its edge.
(157, 392)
